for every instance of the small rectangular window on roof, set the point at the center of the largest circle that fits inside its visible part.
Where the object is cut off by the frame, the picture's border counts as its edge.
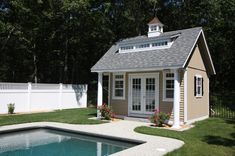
(127, 47)
(143, 45)
(157, 44)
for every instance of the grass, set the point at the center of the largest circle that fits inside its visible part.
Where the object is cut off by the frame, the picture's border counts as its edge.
(72, 116)
(211, 137)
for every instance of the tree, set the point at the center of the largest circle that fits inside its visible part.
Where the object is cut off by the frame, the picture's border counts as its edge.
(60, 40)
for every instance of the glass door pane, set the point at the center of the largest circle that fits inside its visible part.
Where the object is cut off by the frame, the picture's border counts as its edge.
(150, 94)
(136, 94)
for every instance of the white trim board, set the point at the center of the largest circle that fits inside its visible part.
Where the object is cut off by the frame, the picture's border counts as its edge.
(109, 90)
(197, 119)
(124, 86)
(136, 69)
(185, 95)
(207, 49)
(164, 87)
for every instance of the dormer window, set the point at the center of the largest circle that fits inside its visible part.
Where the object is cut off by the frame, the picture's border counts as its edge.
(142, 46)
(135, 47)
(157, 44)
(127, 48)
(148, 44)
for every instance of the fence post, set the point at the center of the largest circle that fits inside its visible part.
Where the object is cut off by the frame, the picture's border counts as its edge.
(29, 96)
(60, 95)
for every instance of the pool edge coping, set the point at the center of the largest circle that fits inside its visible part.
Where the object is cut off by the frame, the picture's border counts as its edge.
(45, 125)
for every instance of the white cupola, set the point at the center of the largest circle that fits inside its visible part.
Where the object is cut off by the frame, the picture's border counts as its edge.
(155, 27)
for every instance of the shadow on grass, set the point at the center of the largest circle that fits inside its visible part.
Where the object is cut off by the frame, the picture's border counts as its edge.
(217, 140)
(233, 135)
(92, 114)
(230, 121)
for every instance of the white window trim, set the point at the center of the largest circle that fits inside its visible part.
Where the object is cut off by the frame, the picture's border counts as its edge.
(136, 49)
(164, 87)
(198, 95)
(124, 87)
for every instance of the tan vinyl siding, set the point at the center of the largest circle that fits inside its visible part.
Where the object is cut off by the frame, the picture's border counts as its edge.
(182, 96)
(120, 107)
(197, 106)
(165, 106)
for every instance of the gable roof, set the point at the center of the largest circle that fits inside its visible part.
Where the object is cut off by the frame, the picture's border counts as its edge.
(174, 57)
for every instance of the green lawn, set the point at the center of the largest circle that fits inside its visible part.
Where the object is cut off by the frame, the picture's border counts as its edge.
(211, 137)
(73, 116)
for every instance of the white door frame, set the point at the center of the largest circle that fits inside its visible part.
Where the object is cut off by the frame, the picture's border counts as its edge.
(143, 77)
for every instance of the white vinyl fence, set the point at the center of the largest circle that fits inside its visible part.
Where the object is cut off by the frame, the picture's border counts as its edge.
(29, 97)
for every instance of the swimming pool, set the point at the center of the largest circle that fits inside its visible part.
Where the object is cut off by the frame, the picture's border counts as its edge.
(48, 142)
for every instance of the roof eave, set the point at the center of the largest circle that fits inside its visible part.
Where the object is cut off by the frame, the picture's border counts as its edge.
(211, 62)
(135, 69)
(207, 49)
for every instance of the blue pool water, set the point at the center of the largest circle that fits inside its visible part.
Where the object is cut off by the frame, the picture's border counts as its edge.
(44, 142)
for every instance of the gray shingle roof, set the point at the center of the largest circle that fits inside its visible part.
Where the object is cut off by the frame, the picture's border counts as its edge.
(155, 59)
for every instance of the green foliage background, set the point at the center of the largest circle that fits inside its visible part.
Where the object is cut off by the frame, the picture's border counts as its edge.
(60, 40)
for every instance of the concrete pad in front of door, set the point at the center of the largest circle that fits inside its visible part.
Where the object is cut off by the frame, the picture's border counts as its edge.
(151, 146)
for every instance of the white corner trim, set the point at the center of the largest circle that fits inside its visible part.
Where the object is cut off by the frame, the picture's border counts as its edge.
(185, 95)
(129, 95)
(100, 91)
(176, 103)
(208, 89)
(109, 90)
(197, 119)
(124, 86)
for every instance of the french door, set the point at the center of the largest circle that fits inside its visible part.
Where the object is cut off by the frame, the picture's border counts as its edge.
(143, 93)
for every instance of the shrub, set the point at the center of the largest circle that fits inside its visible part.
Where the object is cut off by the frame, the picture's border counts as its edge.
(106, 111)
(11, 108)
(159, 118)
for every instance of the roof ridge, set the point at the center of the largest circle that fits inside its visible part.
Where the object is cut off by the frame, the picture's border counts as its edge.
(173, 56)
(164, 33)
(134, 37)
(183, 29)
